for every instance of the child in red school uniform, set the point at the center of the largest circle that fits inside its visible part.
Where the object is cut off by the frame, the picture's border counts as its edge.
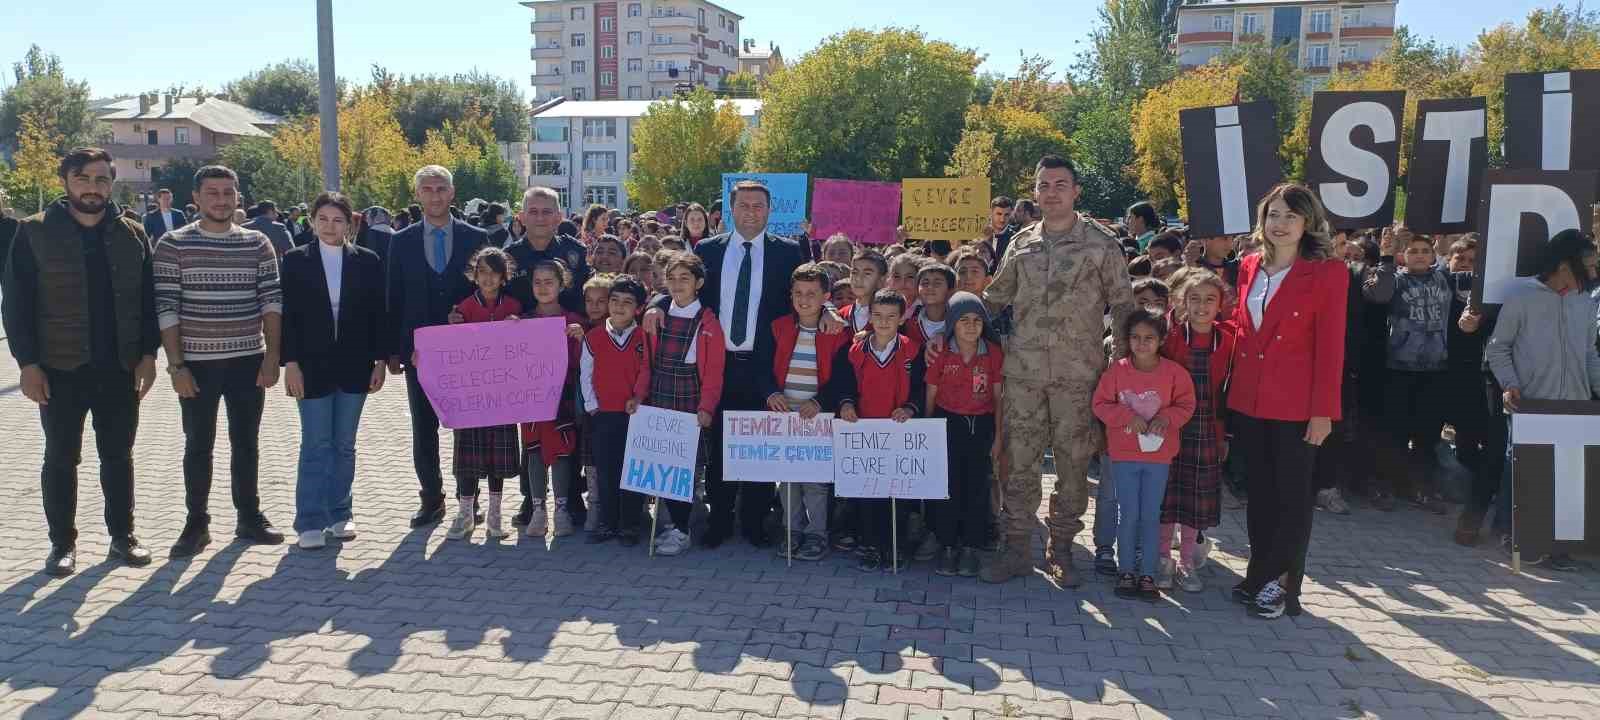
(547, 447)
(686, 362)
(1203, 345)
(614, 376)
(490, 452)
(964, 388)
(935, 282)
(867, 273)
(881, 377)
(596, 308)
(1143, 399)
(803, 368)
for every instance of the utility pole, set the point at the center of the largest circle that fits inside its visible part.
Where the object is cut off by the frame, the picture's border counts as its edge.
(327, 96)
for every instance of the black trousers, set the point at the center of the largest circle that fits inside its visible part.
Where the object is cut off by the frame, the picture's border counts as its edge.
(1414, 417)
(1491, 461)
(739, 392)
(1278, 465)
(1342, 462)
(109, 395)
(619, 510)
(424, 440)
(233, 382)
(963, 520)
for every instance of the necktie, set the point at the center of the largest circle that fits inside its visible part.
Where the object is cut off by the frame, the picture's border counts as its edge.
(438, 250)
(741, 299)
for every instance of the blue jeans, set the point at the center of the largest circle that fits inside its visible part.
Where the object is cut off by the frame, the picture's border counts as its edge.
(1501, 524)
(327, 460)
(1105, 506)
(1140, 489)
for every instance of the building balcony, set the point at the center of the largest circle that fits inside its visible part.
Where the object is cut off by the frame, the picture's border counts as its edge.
(546, 52)
(677, 48)
(1366, 31)
(160, 153)
(1317, 69)
(673, 21)
(600, 174)
(547, 78)
(547, 26)
(662, 76)
(1354, 65)
(1210, 36)
(1252, 37)
(1319, 36)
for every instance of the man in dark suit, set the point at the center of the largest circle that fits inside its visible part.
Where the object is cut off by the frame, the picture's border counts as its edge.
(378, 234)
(164, 219)
(427, 277)
(747, 285)
(266, 223)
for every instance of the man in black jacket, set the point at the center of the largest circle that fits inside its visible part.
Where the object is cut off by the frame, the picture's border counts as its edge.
(541, 216)
(427, 276)
(163, 219)
(85, 336)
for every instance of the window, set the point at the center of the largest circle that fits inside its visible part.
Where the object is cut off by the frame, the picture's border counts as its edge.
(722, 21)
(608, 78)
(577, 39)
(662, 39)
(150, 137)
(547, 164)
(578, 93)
(600, 195)
(600, 129)
(1222, 23)
(138, 164)
(634, 10)
(1250, 24)
(635, 92)
(660, 93)
(1317, 56)
(577, 13)
(549, 130)
(732, 27)
(608, 52)
(565, 195)
(702, 17)
(1321, 21)
(635, 65)
(608, 24)
(579, 67)
(180, 135)
(1349, 17)
(602, 163)
(635, 38)
(1347, 52)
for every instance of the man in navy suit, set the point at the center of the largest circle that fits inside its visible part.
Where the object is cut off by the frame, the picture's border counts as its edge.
(427, 276)
(163, 220)
(747, 285)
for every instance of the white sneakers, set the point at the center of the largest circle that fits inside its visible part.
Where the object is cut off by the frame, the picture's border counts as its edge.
(1164, 574)
(464, 523)
(563, 521)
(312, 539)
(537, 522)
(496, 529)
(345, 530)
(1190, 580)
(671, 541)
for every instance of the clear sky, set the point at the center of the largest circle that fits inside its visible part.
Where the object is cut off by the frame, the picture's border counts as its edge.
(124, 48)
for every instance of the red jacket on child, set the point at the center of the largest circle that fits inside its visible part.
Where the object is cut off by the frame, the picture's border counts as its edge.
(878, 388)
(476, 309)
(1126, 392)
(1223, 338)
(786, 333)
(613, 373)
(557, 438)
(710, 350)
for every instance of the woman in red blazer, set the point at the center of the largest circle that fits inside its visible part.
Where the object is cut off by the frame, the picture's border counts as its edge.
(1287, 373)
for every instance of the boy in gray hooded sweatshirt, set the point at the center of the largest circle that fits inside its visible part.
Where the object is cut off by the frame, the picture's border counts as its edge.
(1543, 346)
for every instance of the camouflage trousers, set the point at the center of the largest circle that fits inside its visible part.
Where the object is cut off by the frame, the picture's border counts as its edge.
(1057, 416)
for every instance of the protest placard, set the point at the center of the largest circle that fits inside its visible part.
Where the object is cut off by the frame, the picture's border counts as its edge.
(499, 373)
(763, 446)
(887, 459)
(788, 199)
(954, 209)
(661, 453)
(865, 211)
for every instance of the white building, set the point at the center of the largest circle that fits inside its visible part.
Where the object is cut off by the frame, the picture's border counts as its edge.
(583, 148)
(629, 49)
(1324, 34)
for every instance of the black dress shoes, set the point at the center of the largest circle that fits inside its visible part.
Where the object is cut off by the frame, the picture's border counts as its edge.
(130, 551)
(194, 538)
(63, 561)
(430, 513)
(714, 538)
(260, 532)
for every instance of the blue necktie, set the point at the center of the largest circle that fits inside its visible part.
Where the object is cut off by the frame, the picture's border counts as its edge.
(438, 250)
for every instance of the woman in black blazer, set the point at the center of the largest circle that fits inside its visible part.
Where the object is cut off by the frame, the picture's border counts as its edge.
(333, 324)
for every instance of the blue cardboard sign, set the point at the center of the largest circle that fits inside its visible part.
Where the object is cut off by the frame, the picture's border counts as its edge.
(788, 200)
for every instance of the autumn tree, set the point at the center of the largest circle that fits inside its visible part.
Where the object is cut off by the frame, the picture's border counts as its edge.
(740, 85)
(33, 182)
(866, 105)
(1004, 144)
(266, 175)
(60, 105)
(1158, 151)
(681, 148)
(375, 162)
(468, 147)
(1551, 39)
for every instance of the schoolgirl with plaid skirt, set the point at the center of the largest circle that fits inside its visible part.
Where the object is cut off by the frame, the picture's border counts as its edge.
(1204, 346)
(494, 451)
(548, 447)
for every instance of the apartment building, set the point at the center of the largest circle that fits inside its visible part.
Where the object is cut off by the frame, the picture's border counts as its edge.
(1324, 35)
(629, 49)
(152, 130)
(759, 61)
(583, 148)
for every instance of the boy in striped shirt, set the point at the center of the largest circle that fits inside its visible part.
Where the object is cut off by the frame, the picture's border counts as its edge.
(802, 366)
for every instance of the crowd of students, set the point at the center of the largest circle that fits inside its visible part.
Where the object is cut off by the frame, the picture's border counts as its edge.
(1265, 357)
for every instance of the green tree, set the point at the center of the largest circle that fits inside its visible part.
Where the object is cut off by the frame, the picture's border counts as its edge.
(740, 85)
(866, 105)
(288, 88)
(33, 182)
(177, 176)
(681, 148)
(42, 89)
(1004, 144)
(424, 102)
(265, 175)
(1551, 39)
(1158, 161)
(1101, 146)
(1128, 49)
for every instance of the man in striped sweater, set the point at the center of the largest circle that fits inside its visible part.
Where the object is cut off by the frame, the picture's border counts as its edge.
(219, 307)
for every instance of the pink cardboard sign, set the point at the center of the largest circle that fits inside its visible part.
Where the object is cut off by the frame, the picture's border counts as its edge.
(494, 373)
(865, 211)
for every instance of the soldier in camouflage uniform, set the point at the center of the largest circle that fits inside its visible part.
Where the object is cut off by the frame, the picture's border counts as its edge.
(1060, 276)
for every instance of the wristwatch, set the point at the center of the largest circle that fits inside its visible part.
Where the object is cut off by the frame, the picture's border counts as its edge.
(174, 368)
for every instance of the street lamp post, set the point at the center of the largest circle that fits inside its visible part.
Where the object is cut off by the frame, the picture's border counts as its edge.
(327, 96)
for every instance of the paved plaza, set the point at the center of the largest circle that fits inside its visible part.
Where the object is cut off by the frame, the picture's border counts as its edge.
(1400, 622)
